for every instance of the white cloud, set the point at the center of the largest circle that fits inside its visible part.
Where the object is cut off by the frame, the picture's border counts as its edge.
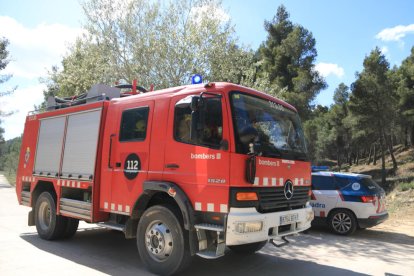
(385, 50)
(396, 33)
(21, 102)
(33, 50)
(326, 69)
(211, 12)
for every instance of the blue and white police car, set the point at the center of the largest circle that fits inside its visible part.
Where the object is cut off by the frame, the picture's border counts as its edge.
(346, 201)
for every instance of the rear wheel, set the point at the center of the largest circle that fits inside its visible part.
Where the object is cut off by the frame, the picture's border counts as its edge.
(71, 228)
(49, 225)
(161, 242)
(247, 249)
(342, 222)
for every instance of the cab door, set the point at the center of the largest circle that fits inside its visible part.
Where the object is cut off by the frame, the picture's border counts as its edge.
(129, 155)
(199, 164)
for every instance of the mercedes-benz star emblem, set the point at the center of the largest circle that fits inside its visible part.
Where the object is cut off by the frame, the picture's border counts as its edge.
(288, 189)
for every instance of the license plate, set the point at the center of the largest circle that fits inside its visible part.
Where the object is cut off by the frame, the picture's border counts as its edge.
(287, 219)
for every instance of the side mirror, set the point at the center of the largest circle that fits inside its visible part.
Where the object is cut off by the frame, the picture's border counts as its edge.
(195, 103)
(251, 168)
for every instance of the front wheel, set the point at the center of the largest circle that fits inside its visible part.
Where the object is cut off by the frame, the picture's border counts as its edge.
(247, 249)
(342, 222)
(160, 241)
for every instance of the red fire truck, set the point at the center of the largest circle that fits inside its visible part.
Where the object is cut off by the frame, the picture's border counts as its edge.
(189, 170)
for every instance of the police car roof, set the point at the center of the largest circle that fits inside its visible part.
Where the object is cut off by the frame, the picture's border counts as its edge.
(342, 174)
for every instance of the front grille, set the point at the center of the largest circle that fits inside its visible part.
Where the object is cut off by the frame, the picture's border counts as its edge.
(272, 199)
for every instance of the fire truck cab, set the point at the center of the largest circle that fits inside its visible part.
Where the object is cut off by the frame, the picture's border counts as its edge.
(186, 170)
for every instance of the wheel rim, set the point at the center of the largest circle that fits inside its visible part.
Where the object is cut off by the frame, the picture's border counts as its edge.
(45, 216)
(341, 222)
(159, 240)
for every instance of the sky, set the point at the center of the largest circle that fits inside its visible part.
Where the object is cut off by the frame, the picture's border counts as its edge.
(345, 32)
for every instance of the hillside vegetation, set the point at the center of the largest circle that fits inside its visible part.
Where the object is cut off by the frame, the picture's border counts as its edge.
(399, 185)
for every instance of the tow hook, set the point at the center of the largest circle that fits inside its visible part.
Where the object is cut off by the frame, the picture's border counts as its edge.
(285, 242)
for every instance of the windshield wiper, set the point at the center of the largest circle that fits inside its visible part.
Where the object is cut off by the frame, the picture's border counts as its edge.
(271, 154)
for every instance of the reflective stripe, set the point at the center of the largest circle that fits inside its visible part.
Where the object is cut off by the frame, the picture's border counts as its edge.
(223, 208)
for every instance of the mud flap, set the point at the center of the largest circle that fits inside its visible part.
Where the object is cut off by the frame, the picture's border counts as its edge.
(30, 218)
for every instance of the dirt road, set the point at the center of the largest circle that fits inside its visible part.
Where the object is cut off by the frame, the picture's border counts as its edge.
(96, 251)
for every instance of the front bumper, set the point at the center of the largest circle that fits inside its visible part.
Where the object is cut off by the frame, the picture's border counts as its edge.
(271, 227)
(372, 221)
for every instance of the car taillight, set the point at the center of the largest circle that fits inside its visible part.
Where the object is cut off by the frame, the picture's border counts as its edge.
(369, 199)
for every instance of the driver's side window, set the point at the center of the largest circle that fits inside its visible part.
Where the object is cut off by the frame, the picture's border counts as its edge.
(208, 128)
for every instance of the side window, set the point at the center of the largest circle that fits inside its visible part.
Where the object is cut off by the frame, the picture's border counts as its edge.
(134, 124)
(323, 183)
(209, 128)
(342, 182)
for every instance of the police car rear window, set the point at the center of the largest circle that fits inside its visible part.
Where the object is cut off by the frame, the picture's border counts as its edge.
(370, 184)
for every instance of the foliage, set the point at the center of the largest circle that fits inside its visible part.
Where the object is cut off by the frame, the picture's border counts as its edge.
(9, 155)
(287, 57)
(405, 76)
(161, 43)
(4, 55)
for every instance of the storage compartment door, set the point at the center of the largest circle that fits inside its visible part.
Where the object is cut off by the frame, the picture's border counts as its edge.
(49, 146)
(81, 145)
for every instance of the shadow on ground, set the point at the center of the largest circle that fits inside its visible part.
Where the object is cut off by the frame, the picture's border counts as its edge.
(109, 252)
(368, 235)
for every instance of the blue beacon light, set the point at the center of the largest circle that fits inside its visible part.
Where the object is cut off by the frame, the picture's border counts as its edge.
(196, 79)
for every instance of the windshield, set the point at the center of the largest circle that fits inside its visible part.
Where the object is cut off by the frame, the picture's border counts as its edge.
(274, 128)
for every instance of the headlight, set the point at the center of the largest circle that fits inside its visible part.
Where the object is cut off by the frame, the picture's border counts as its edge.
(249, 227)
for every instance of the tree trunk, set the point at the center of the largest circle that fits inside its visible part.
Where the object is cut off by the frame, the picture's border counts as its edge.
(406, 136)
(391, 150)
(375, 155)
(338, 159)
(369, 155)
(412, 135)
(357, 157)
(383, 171)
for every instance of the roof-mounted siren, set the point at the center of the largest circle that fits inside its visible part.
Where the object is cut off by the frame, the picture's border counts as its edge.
(196, 79)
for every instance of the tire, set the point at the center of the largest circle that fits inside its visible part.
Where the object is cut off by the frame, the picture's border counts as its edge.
(342, 222)
(248, 249)
(71, 228)
(161, 241)
(49, 225)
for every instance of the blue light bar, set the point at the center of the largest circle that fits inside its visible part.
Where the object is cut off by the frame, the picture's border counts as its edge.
(196, 79)
(320, 168)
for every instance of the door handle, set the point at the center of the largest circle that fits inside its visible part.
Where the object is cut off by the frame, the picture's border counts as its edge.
(110, 150)
(172, 166)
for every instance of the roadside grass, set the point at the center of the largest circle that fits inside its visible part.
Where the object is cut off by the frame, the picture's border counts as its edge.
(406, 186)
(11, 177)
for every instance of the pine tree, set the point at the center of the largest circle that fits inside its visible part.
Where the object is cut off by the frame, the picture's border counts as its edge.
(373, 100)
(287, 57)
